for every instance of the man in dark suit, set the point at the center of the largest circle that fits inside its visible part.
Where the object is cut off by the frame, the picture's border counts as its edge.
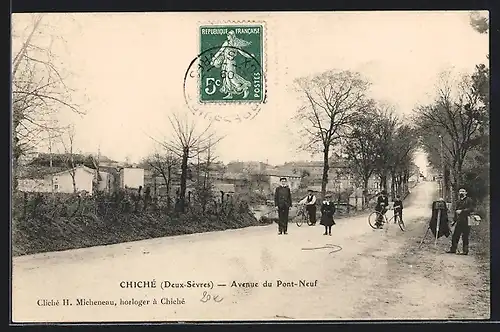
(283, 202)
(461, 219)
(381, 207)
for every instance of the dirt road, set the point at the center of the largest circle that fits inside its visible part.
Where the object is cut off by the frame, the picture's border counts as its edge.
(378, 274)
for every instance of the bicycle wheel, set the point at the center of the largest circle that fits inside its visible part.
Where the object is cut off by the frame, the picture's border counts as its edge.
(299, 220)
(373, 217)
(308, 220)
(401, 224)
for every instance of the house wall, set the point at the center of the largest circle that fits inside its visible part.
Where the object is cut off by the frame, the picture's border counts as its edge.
(131, 177)
(106, 183)
(63, 183)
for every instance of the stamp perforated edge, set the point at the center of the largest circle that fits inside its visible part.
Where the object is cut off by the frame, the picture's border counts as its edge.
(263, 65)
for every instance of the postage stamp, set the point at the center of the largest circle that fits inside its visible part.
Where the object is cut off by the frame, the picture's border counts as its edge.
(226, 80)
(231, 68)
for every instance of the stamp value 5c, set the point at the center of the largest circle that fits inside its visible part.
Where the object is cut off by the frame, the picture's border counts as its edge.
(230, 69)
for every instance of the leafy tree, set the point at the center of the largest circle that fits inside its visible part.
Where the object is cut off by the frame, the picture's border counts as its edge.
(459, 115)
(361, 149)
(479, 22)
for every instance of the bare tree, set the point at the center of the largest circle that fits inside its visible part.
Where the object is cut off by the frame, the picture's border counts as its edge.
(331, 101)
(188, 142)
(96, 163)
(165, 165)
(69, 156)
(210, 159)
(38, 88)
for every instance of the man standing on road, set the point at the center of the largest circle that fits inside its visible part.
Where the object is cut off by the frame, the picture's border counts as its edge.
(461, 219)
(283, 202)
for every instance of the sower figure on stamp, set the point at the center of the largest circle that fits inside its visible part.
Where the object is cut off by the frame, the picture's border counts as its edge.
(283, 202)
(232, 83)
(461, 219)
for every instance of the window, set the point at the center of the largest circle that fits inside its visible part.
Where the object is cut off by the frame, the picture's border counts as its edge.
(56, 187)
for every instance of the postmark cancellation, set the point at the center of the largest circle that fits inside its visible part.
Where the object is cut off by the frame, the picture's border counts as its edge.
(229, 71)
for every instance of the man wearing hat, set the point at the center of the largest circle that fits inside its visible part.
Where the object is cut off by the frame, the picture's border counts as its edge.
(381, 207)
(283, 202)
(461, 219)
(310, 202)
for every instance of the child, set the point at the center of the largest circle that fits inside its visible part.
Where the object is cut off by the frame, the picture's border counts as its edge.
(398, 209)
(327, 211)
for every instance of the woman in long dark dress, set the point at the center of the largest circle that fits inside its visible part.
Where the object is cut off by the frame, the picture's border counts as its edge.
(327, 211)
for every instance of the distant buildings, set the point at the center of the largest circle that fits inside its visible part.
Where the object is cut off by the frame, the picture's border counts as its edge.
(79, 178)
(52, 173)
(132, 178)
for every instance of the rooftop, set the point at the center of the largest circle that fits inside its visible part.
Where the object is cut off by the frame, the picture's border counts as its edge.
(37, 172)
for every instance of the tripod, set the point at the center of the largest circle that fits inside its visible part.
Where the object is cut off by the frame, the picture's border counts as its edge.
(438, 211)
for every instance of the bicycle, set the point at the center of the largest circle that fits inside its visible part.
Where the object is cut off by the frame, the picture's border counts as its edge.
(376, 215)
(398, 218)
(302, 217)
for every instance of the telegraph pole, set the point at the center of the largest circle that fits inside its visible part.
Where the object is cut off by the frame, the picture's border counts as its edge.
(443, 190)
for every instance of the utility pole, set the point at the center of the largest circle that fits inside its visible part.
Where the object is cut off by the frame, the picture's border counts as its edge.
(443, 190)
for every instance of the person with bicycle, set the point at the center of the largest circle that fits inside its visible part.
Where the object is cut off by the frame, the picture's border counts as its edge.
(398, 209)
(310, 204)
(381, 208)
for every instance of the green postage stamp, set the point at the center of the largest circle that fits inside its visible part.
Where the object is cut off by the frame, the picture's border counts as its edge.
(231, 63)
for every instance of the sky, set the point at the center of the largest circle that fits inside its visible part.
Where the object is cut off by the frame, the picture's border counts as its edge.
(128, 69)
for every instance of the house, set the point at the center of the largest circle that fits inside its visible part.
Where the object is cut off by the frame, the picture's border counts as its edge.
(63, 181)
(238, 180)
(275, 175)
(224, 187)
(60, 182)
(131, 178)
(106, 182)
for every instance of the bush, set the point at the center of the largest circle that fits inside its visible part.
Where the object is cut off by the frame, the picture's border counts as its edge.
(52, 222)
(481, 233)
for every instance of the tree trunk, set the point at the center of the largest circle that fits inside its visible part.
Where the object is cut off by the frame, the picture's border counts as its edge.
(326, 166)
(168, 180)
(15, 172)
(457, 183)
(364, 203)
(406, 178)
(402, 184)
(154, 186)
(183, 184)
(393, 184)
(383, 182)
(73, 175)
(446, 183)
(16, 154)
